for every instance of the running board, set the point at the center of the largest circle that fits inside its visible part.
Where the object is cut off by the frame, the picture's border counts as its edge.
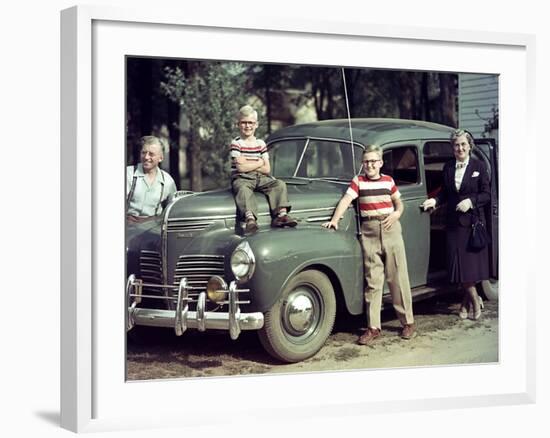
(423, 292)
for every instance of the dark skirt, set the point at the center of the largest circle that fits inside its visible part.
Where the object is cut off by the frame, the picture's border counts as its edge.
(465, 266)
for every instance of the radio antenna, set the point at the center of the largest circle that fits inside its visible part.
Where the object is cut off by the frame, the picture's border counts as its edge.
(357, 213)
(349, 117)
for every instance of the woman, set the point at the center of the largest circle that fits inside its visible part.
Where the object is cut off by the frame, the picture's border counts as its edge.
(465, 190)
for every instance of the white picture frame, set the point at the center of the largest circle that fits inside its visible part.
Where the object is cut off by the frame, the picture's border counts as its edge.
(94, 395)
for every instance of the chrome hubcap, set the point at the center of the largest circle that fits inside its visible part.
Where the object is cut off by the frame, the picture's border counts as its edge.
(300, 314)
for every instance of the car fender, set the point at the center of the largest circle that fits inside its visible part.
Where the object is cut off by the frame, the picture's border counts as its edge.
(282, 253)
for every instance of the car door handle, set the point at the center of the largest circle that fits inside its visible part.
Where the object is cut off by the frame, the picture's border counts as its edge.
(429, 210)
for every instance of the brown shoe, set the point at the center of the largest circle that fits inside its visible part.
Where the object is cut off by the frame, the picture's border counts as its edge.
(284, 221)
(409, 331)
(369, 336)
(251, 226)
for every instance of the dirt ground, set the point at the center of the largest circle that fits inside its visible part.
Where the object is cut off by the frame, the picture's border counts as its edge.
(442, 339)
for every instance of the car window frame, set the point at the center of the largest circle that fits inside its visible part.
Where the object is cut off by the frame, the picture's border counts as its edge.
(415, 145)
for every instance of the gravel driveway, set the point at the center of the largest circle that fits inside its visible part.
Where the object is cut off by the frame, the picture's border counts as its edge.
(442, 339)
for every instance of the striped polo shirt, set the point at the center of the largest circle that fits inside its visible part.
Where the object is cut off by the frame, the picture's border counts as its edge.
(239, 147)
(375, 196)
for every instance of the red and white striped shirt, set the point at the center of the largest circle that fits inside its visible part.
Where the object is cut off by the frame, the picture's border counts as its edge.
(238, 147)
(375, 196)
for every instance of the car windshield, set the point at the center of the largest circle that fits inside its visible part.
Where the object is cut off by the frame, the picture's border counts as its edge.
(314, 159)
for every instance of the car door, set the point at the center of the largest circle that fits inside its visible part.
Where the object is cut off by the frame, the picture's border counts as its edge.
(403, 163)
(487, 151)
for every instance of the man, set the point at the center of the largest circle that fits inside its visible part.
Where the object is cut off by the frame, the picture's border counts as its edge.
(382, 243)
(148, 188)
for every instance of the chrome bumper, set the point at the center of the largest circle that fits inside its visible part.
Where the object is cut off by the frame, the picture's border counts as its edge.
(182, 318)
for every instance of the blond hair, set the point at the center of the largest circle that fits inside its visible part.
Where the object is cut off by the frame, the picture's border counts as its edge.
(373, 148)
(246, 111)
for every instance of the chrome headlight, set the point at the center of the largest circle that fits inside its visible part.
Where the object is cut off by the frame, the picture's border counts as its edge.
(243, 262)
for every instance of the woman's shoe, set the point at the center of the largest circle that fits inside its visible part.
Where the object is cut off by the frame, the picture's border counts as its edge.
(477, 312)
(464, 308)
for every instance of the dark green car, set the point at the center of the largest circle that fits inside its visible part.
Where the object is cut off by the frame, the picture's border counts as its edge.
(195, 269)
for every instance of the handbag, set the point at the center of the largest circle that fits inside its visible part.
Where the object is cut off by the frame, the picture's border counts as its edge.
(479, 238)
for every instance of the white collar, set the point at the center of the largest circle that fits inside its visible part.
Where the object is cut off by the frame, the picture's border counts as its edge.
(463, 164)
(140, 173)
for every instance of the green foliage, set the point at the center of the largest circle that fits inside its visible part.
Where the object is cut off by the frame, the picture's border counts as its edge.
(209, 95)
(197, 101)
(491, 123)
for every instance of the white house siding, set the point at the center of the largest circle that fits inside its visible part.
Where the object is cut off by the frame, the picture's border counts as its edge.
(476, 92)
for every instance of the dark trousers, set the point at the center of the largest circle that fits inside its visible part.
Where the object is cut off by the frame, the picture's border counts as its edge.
(245, 184)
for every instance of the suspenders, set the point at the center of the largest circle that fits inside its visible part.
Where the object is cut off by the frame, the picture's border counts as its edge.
(161, 192)
(133, 188)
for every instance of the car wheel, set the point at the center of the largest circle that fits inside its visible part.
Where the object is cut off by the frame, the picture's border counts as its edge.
(300, 321)
(490, 289)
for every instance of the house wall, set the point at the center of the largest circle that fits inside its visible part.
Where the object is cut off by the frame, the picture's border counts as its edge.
(477, 99)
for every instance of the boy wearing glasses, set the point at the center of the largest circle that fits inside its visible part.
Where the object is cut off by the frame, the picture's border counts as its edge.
(250, 172)
(380, 208)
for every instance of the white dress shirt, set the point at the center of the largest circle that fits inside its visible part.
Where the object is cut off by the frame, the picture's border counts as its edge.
(146, 198)
(460, 170)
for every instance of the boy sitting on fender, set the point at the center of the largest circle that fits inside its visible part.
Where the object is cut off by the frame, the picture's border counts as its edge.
(250, 173)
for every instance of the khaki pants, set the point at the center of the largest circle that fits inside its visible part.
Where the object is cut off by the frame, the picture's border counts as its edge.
(384, 258)
(245, 184)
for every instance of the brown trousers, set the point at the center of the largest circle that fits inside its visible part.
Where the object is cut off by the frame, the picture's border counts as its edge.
(384, 258)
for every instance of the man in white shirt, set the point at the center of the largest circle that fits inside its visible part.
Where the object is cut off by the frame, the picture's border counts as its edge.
(148, 188)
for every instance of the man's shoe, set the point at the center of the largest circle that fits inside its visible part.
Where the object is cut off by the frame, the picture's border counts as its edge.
(409, 331)
(284, 221)
(369, 336)
(251, 226)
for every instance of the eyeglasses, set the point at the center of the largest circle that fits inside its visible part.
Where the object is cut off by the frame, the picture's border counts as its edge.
(372, 162)
(246, 123)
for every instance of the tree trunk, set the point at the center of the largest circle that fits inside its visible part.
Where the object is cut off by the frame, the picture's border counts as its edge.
(145, 92)
(174, 133)
(424, 98)
(406, 95)
(447, 99)
(194, 154)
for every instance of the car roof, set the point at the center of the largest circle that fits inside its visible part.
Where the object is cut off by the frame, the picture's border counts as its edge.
(366, 130)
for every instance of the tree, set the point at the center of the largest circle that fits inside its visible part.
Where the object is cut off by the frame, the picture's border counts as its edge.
(209, 95)
(447, 99)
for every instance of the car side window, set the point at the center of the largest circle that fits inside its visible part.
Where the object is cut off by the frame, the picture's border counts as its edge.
(436, 154)
(401, 163)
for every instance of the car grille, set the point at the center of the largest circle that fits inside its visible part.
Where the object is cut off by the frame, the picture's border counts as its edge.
(198, 269)
(151, 272)
(189, 225)
(150, 267)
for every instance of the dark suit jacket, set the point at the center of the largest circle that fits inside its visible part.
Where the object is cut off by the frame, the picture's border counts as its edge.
(477, 188)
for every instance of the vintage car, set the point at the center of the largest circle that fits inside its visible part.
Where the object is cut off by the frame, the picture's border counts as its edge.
(195, 268)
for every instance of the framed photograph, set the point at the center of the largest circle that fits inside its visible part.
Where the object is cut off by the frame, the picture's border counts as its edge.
(96, 392)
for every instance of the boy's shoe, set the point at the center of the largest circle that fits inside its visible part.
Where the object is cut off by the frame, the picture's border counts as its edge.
(409, 331)
(369, 336)
(251, 226)
(284, 221)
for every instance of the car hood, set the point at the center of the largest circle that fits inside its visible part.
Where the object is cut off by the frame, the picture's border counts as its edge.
(303, 194)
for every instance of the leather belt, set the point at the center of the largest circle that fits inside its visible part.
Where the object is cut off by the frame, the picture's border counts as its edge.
(375, 218)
